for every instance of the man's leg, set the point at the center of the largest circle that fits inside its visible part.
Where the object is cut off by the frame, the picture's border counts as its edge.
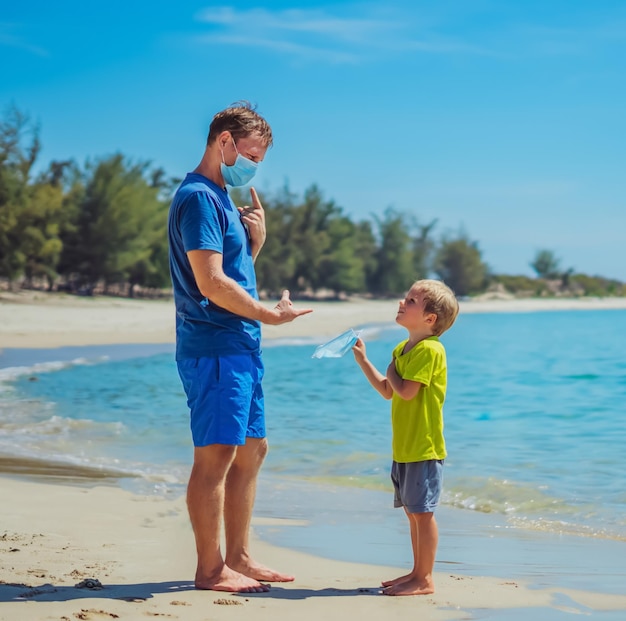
(205, 501)
(240, 491)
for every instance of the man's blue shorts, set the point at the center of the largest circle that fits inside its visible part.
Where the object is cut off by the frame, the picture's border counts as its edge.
(225, 398)
(417, 485)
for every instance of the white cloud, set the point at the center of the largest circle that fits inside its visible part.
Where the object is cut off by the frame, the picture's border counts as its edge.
(299, 21)
(320, 35)
(282, 46)
(577, 38)
(359, 32)
(8, 39)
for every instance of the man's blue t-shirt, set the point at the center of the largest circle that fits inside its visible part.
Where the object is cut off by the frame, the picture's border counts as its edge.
(203, 217)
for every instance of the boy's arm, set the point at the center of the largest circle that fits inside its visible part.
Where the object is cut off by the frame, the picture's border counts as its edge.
(404, 388)
(373, 375)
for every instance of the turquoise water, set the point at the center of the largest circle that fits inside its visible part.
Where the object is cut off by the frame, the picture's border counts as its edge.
(535, 422)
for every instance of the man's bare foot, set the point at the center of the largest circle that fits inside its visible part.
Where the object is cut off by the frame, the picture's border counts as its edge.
(260, 572)
(388, 583)
(230, 580)
(412, 586)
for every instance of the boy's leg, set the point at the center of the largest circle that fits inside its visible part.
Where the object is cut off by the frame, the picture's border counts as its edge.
(420, 580)
(417, 487)
(414, 545)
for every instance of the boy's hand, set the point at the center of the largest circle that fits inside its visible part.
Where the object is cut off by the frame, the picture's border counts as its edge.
(358, 349)
(373, 375)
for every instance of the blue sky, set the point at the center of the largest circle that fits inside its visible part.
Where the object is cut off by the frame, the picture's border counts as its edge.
(504, 117)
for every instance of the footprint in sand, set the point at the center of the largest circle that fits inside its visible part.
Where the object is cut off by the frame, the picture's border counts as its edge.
(86, 614)
(227, 602)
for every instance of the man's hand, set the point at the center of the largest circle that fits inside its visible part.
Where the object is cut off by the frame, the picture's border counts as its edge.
(285, 312)
(254, 218)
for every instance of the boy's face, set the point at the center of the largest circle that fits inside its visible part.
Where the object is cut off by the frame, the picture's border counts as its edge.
(411, 313)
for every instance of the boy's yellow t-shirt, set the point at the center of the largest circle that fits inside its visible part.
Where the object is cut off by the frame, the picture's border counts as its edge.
(417, 424)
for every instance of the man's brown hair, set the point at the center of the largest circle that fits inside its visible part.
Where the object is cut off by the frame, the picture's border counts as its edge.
(241, 120)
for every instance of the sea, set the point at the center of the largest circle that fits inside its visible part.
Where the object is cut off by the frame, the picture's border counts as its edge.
(535, 426)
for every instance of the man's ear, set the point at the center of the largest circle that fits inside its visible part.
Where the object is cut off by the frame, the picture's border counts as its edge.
(224, 138)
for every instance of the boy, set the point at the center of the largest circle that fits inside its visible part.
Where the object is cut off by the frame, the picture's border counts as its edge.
(415, 382)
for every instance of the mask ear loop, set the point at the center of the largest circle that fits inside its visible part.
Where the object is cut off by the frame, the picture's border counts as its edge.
(222, 150)
(234, 144)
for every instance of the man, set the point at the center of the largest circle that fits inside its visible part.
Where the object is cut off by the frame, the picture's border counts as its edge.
(213, 246)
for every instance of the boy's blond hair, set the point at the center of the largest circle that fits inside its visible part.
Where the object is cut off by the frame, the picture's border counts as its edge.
(440, 300)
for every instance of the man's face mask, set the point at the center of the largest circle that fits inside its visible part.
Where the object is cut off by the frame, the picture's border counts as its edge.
(240, 172)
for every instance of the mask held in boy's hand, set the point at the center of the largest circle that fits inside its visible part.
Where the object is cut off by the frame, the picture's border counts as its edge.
(338, 346)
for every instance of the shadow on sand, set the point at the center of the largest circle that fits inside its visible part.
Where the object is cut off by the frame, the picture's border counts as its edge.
(15, 592)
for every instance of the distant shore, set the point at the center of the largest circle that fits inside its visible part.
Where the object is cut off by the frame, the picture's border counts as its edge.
(44, 320)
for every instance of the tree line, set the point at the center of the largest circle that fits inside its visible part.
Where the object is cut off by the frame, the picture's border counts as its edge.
(102, 227)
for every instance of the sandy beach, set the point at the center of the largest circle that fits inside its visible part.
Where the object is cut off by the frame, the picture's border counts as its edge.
(140, 549)
(39, 320)
(55, 536)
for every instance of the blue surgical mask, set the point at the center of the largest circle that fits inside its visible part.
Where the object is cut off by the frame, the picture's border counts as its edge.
(339, 346)
(240, 172)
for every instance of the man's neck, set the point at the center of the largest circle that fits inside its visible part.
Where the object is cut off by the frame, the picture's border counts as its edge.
(209, 167)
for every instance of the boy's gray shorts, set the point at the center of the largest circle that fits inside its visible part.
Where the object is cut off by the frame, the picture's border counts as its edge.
(417, 485)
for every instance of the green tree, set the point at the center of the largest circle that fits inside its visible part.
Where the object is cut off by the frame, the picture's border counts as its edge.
(458, 262)
(310, 238)
(120, 221)
(395, 270)
(152, 269)
(19, 149)
(546, 264)
(298, 240)
(423, 247)
(598, 285)
(311, 244)
(366, 249)
(342, 266)
(276, 264)
(40, 244)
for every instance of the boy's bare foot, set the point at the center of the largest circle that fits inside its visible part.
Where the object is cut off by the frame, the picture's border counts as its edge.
(388, 583)
(230, 580)
(260, 572)
(413, 586)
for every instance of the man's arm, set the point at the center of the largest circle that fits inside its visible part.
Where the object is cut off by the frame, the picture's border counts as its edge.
(228, 294)
(373, 375)
(404, 388)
